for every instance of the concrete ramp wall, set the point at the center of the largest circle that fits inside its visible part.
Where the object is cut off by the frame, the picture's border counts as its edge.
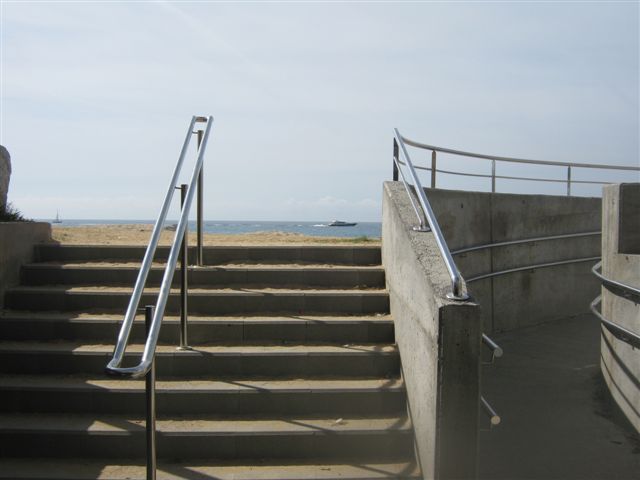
(439, 342)
(532, 296)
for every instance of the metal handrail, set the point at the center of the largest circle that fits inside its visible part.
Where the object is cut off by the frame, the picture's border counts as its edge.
(454, 274)
(524, 240)
(143, 367)
(494, 418)
(531, 267)
(619, 332)
(628, 290)
(496, 350)
(496, 158)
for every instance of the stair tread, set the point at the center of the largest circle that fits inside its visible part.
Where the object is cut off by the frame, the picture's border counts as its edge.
(88, 382)
(222, 350)
(19, 315)
(243, 291)
(80, 469)
(204, 424)
(242, 266)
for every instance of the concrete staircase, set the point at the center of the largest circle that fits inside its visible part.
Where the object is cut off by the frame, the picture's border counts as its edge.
(294, 372)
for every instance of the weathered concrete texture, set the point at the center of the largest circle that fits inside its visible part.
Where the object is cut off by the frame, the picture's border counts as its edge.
(558, 420)
(620, 362)
(439, 343)
(16, 248)
(529, 297)
(5, 175)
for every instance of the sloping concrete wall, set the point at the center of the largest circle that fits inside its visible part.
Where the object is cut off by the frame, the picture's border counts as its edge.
(528, 297)
(439, 342)
(17, 240)
(620, 362)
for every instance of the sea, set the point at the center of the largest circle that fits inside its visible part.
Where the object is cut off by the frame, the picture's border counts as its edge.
(314, 229)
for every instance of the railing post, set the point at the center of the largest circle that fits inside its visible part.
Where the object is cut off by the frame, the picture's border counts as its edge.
(200, 205)
(184, 263)
(150, 390)
(395, 156)
(433, 169)
(493, 176)
(569, 181)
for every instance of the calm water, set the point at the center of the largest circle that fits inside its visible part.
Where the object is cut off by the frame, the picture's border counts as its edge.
(315, 229)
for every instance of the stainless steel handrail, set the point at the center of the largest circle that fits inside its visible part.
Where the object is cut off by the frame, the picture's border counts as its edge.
(495, 158)
(628, 290)
(524, 240)
(619, 332)
(454, 274)
(513, 159)
(496, 350)
(494, 418)
(143, 367)
(531, 267)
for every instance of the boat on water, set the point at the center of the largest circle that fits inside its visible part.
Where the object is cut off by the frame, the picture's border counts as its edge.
(339, 223)
(57, 219)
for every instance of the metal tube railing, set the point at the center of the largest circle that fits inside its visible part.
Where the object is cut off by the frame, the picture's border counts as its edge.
(569, 181)
(494, 418)
(152, 338)
(524, 240)
(619, 332)
(496, 351)
(531, 267)
(454, 274)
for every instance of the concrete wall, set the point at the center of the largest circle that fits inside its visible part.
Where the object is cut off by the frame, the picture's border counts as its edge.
(16, 248)
(439, 342)
(620, 362)
(529, 297)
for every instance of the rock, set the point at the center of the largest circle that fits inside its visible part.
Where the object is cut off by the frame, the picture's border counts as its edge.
(5, 174)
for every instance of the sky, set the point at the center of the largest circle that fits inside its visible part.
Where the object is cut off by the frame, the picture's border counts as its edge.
(96, 98)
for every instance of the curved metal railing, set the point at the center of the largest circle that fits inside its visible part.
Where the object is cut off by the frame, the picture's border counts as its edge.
(495, 158)
(626, 291)
(114, 367)
(454, 273)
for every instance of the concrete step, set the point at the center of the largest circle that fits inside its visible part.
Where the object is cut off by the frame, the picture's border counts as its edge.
(60, 436)
(81, 469)
(211, 361)
(97, 394)
(40, 326)
(333, 254)
(202, 301)
(265, 276)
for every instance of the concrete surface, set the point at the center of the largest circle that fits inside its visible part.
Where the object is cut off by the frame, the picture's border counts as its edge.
(621, 262)
(439, 342)
(17, 240)
(529, 297)
(558, 419)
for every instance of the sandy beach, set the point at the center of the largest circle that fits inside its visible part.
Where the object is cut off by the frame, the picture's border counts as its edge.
(138, 234)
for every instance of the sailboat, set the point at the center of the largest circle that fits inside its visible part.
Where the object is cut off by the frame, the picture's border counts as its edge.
(57, 219)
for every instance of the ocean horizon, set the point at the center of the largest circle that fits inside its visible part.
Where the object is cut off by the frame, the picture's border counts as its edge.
(314, 229)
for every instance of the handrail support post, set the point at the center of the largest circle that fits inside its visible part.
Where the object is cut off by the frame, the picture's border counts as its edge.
(395, 158)
(568, 181)
(200, 206)
(184, 270)
(150, 391)
(493, 176)
(433, 169)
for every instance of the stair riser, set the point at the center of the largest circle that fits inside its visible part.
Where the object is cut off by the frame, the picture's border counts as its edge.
(190, 364)
(335, 278)
(216, 255)
(206, 304)
(281, 446)
(236, 403)
(200, 334)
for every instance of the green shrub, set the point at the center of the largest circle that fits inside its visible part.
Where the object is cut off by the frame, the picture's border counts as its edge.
(8, 213)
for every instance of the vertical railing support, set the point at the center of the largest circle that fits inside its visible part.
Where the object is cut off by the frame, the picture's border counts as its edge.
(200, 205)
(184, 264)
(493, 176)
(569, 181)
(395, 156)
(150, 391)
(433, 169)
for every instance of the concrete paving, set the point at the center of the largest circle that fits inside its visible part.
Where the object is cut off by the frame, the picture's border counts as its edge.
(558, 418)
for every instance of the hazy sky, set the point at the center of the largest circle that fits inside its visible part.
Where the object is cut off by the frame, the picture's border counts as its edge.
(97, 96)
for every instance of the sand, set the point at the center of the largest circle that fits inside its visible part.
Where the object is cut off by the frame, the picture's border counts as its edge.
(140, 234)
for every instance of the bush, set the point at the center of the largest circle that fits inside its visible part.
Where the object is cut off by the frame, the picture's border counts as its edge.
(8, 213)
